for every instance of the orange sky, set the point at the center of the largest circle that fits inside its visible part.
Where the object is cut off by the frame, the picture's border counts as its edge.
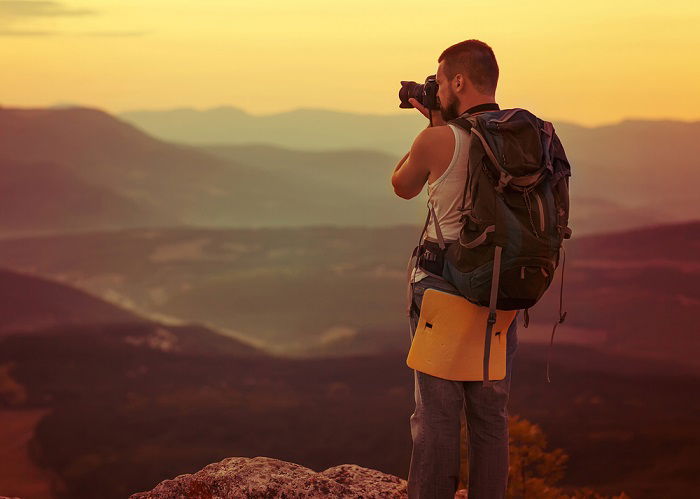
(591, 62)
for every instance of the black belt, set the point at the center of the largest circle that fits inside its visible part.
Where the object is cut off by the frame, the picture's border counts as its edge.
(431, 257)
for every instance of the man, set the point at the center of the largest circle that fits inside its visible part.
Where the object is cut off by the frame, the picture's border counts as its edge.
(467, 76)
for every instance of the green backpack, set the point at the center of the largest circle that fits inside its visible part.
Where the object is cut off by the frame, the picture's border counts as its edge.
(515, 213)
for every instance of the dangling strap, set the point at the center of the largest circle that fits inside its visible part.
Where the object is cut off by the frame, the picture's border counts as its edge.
(527, 318)
(415, 255)
(561, 316)
(492, 311)
(412, 264)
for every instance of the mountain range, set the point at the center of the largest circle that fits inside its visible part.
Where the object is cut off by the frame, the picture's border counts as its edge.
(305, 129)
(82, 169)
(143, 181)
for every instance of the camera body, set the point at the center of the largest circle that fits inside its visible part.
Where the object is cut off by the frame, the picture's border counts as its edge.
(425, 93)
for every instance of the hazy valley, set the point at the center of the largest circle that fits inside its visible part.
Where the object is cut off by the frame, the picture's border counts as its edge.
(210, 284)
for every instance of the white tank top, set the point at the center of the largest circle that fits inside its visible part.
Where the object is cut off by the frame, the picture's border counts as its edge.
(445, 194)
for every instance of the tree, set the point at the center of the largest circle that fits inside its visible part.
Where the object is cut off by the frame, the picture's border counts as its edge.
(534, 471)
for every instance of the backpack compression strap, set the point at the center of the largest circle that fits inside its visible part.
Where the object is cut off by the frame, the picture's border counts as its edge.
(492, 311)
(500, 241)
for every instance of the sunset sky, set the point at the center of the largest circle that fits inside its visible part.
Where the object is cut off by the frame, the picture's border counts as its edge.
(593, 62)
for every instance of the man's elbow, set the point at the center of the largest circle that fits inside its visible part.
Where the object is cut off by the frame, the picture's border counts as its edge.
(401, 190)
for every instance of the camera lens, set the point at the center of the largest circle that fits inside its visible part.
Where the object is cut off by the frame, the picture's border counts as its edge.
(410, 89)
(426, 93)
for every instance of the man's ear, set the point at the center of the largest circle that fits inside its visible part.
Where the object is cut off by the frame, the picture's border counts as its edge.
(462, 80)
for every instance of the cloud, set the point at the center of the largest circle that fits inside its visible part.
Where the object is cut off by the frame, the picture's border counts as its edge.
(10, 32)
(12, 9)
(113, 33)
(29, 33)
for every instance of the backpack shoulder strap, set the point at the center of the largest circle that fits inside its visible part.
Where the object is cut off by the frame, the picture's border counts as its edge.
(462, 122)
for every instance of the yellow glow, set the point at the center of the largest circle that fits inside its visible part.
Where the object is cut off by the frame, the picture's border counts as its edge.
(589, 62)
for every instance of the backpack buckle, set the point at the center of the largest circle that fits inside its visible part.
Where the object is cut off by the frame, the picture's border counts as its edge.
(564, 231)
(503, 181)
(492, 318)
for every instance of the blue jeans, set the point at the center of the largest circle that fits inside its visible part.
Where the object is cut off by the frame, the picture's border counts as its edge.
(435, 425)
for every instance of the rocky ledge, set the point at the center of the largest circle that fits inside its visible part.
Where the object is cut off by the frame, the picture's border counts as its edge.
(265, 477)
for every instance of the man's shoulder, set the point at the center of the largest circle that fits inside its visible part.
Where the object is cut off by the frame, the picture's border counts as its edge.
(438, 136)
(438, 131)
(436, 145)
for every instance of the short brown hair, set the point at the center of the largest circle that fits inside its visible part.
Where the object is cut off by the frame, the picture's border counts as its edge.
(477, 60)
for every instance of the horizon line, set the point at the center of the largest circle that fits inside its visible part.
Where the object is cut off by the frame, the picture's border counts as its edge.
(202, 109)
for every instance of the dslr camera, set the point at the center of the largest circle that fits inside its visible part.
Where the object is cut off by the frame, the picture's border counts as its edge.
(425, 93)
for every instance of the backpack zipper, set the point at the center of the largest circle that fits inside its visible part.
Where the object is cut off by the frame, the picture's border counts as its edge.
(541, 208)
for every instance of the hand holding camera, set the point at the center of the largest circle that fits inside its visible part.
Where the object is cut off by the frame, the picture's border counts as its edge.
(435, 117)
(423, 97)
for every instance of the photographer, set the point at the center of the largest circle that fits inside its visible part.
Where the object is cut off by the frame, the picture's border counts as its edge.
(466, 80)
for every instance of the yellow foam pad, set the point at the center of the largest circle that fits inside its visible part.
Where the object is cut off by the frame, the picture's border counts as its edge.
(450, 336)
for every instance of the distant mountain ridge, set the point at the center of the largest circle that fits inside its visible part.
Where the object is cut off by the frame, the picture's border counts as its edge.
(110, 174)
(306, 128)
(620, 170)
(170, 184)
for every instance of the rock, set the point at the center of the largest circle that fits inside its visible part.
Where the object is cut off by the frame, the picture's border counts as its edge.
(266, 477)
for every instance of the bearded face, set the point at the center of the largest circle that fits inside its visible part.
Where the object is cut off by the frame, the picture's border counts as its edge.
(450, 109)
